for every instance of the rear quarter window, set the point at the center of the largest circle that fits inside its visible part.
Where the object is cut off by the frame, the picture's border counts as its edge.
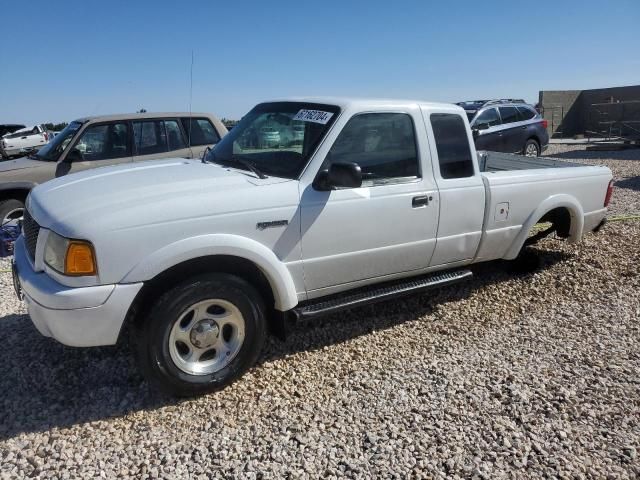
(509, 114)
(200, 131)
(526, 113)
(452, 144)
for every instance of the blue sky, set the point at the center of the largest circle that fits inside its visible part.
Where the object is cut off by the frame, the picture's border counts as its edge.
(78, 58)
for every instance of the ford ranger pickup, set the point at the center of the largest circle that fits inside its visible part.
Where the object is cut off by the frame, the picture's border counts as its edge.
(366, 200)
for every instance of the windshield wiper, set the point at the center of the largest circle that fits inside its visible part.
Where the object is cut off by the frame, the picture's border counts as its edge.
(250, 166)
(245, 163)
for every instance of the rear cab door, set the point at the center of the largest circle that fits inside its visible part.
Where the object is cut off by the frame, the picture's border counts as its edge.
(157, 138)
(460, 185)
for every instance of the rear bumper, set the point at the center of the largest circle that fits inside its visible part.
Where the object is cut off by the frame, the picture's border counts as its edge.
(78, 317)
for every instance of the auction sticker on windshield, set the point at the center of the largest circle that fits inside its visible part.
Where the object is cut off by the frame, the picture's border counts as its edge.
(315, 116)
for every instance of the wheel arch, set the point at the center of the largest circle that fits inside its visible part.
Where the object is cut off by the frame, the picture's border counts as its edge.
(220, 251)
(15, 190)
(564, 208)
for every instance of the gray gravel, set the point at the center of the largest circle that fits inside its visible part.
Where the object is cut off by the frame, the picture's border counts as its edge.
(506, 376)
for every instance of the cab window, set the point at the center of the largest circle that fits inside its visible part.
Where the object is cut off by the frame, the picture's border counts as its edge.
(452, 144)
(382, 144)
(200, 131)
(102, 142)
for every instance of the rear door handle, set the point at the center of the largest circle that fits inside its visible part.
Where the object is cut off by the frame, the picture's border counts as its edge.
(421, 201)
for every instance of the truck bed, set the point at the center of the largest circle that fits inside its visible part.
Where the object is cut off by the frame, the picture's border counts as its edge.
(500, 162)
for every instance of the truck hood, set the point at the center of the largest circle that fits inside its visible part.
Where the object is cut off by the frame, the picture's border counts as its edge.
(137, 195)
(19, 164)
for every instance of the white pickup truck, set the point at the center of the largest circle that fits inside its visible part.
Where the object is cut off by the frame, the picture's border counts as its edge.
(374, 199)
(23, 141)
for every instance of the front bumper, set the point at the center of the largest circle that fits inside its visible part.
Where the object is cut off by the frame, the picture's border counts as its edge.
(78, 317)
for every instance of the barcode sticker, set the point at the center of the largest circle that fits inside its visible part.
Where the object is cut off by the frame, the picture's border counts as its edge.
(315, 116)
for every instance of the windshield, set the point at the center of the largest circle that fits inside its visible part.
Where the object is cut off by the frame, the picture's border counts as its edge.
(52, 150)
(276, 139)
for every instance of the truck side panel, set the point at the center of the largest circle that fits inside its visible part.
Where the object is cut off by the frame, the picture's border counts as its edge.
(518, 199)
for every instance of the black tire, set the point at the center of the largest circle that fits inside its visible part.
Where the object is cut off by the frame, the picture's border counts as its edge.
(531, 143)
(10, 207)
(152, 336)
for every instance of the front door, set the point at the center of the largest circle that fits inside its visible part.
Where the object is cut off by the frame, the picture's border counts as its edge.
(98, 146)
(387, 226)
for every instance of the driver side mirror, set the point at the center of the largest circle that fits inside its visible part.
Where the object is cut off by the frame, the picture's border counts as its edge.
(476, 129)
(339, 175)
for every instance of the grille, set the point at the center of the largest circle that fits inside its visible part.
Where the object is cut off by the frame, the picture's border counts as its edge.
(30, 229)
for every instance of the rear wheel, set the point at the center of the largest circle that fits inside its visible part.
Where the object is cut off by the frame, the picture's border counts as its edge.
(531, 148)
(202, 335)
(11, 211)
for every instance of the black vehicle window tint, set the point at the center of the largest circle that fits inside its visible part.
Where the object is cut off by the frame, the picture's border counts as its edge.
(452, 144)
(509, 115)
(486, 119)
(526, 113)
(383, 144)
(103, 142)
(150, 137)
(202, 131)
(174, 135)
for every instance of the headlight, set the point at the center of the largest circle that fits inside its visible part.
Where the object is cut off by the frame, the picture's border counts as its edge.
(69, 257)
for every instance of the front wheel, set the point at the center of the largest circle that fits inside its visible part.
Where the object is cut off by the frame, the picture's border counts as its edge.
(531, 148)
(202, 335)
(11, 211)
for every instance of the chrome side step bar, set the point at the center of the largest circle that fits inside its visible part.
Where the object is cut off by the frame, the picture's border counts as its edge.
(378, 293)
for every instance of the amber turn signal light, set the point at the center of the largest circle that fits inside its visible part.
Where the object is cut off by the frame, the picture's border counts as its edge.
(80, 259)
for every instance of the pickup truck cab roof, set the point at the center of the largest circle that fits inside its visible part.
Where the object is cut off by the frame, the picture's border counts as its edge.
(307, 206)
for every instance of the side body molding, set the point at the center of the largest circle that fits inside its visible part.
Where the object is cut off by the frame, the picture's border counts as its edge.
(552, 202)
(275, 271)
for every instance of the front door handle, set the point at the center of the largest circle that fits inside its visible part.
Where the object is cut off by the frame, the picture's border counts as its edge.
(421, 201)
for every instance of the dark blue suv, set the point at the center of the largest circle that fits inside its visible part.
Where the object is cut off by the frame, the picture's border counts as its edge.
(507, 126)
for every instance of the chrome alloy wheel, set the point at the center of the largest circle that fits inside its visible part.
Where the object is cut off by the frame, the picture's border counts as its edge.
(12, 217)
(206, 337)
(532, 150)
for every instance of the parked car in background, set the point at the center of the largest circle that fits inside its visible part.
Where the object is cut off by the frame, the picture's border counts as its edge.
(199, 258)
(269, 137)
(106, 140)
(507, 125)
(9, 128)
(23, 141)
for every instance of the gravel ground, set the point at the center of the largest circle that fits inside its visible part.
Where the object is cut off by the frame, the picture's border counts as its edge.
(505, 376)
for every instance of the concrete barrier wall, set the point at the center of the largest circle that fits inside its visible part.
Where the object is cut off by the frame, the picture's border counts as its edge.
(570, 112)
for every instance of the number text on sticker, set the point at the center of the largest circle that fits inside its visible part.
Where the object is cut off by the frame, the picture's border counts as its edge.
(316, 116)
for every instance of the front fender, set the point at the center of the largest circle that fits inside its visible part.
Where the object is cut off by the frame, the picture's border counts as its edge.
(551, 203)
(275, 271)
